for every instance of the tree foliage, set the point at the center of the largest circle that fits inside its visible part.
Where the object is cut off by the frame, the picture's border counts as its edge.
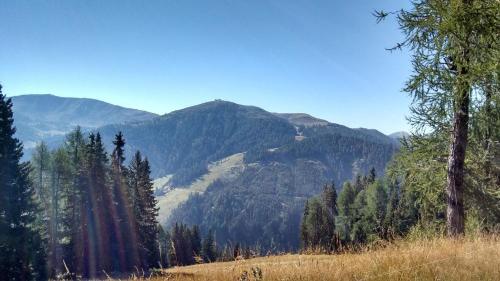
(455, 93)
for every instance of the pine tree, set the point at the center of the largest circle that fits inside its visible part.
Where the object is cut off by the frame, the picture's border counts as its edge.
(208, 249)
(304, 231)
(21, 247)
(329, 197)
(40, 165)
(374, 211)
(196, 240)
(144, 208)
(60, 192)
(391, 214)
(100, 185)
(149, 213)
(76, 149)
(316, 221)
(164, 247)
(125, 255)
(95, 213)
(345, 204)
(371, 176)
(360, 227)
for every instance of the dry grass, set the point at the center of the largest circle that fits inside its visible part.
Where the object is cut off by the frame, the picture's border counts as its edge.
(439, 259)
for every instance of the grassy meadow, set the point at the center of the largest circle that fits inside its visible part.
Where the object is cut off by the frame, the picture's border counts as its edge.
(436, 259)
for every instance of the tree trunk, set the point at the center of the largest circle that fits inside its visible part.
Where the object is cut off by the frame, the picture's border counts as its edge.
(459, 138)
(458, 146)
(455, 188)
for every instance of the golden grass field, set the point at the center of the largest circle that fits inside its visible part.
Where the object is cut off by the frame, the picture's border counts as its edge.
(438, 259)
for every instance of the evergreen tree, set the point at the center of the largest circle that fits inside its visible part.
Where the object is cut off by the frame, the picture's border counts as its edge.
(143, 204)
(371, 176)
(196, 240)
(345, 203)
(21, 247)
(125, 254)
(360, 227)
(375, 209)
(40, 167)
(391, 215)
(148, 224)
(208, 249)
(164, 247)
(96, 219)
(60, 192)
(304, 231)
(329, 197)
(76, 149)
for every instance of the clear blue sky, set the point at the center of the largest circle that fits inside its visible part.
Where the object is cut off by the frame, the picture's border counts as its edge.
(326, 58)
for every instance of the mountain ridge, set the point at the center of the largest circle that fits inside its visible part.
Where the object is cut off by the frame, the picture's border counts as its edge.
(48, 117)
(276, 161)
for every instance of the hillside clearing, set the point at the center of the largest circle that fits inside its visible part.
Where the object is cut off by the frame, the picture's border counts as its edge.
(440, 259)
(227, 167)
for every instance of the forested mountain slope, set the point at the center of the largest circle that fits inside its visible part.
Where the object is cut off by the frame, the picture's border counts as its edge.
(49, 117)
(184, 142)
(287, 158)
(263, 205)
(276, 161)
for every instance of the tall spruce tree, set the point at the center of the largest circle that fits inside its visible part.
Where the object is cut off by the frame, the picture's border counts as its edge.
(196, 240)
(149, 223)
(40, 165)
(125, 254)
(304, 231)
(76, 148)
(208, 248)
(345, 203)
(21, 247)
(144, 208)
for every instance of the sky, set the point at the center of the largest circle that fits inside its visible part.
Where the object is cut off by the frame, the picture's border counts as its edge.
(322, 57)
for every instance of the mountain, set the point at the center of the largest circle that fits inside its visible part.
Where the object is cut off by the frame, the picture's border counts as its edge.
(184, 142)
(302, 119)
(49, 117)
(245, 172)
(399, 135)
(239, 170)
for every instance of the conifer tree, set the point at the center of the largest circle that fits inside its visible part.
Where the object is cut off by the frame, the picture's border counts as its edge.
(329, 197)
(391, 214)
(60, 191)
(304, 231)
(164, 247)
(345, 204)
(76, 148)
(208, 249)
(125, 254)
(21, 247)
(196, 240)
(149, 224)
(40, 165)
(360, 226)
(375, 209)
(144, 208)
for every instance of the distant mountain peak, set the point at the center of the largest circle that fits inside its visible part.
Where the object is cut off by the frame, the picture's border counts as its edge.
(399, 135)
(302, 119)
(49, 117)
